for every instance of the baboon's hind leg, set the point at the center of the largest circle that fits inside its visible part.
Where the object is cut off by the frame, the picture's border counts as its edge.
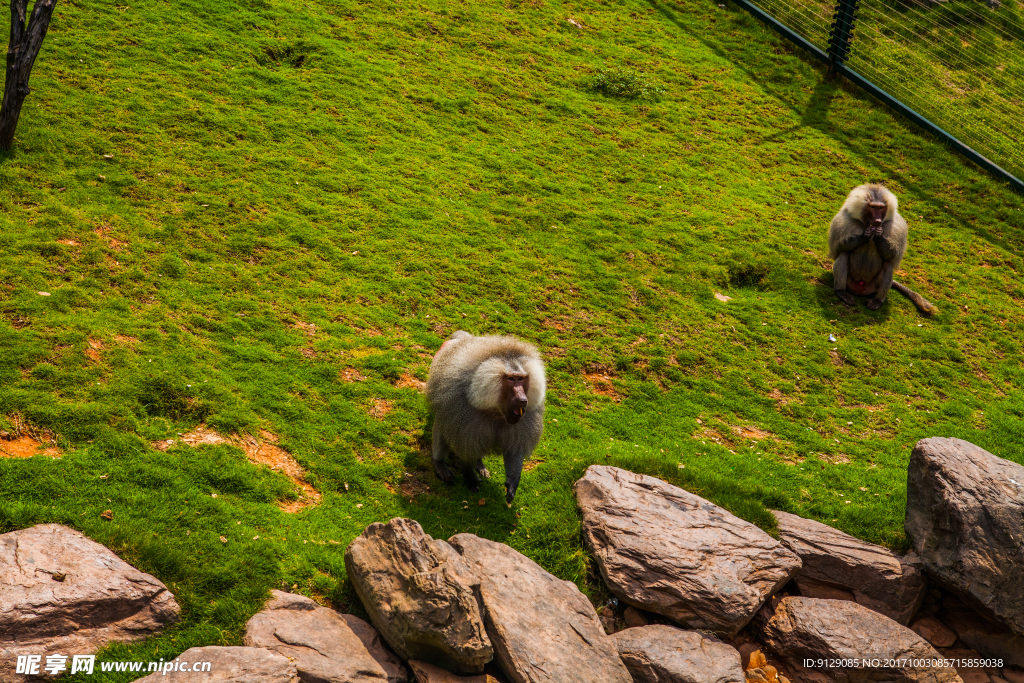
(440, 455)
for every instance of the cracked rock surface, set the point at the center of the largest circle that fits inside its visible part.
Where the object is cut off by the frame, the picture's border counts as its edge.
(965, 513)
(666, 550)
(420, 595)
(63, 593)
(544, 630)
(320, 642)
(837, 565)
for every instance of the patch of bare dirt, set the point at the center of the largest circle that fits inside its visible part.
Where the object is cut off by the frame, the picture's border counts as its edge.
(351, 375)
(717, 437)
(93, 352)
(837, 360)
(752, 433)
(407, 381)
(779, 398)
(261, 450)
(835, 458)
(308, 328)
(599, 382)
(531, 463)
(414, 484)
(309, 353)
(26, 442)
(70, 242)
(125, 339)
(102, 232)
(380, 407)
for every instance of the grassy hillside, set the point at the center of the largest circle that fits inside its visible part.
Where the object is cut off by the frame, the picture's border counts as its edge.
(265, 217)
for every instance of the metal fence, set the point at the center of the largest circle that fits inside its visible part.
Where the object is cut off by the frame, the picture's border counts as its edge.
(955, 68)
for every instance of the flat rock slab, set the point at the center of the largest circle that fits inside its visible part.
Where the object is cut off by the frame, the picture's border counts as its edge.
(874, 576)
(831, 631)
(542, 628)
(419, 594)
(428, 673)
(392, 665)
(663, 654)
(229, 665)
(63, 593)
(318, 640)
(965, 513)
(665, 550)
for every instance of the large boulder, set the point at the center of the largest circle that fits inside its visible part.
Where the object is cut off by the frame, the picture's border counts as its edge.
(419, 594)
(666, 550)
(965, 513)
(834, 563)
(848, 642)
(318, 640)
(663, 654)
(63, 593)
(216, 664)
(542, 628)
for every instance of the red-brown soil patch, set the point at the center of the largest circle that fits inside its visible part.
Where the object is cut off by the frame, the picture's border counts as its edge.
(407, 381)
(601, 383)
(25, 447)
(260, 451)
(379, 408)
(351, 375)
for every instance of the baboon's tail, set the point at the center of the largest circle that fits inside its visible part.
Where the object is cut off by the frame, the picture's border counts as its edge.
(923, 305)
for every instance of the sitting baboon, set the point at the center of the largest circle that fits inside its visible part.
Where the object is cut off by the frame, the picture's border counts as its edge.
(867, 240)
(487, 394)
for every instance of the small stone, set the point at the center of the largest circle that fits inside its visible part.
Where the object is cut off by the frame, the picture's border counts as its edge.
(428, 673)
(633, 618)
(107, 515)
(757, 660)
(746, 650)
(934, 631)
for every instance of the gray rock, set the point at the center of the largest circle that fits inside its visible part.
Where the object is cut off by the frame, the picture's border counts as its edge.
(665, 550)
(833, 561)
(63, 593)
(229, 665)
(543, 629)
(391, 664)
(965, 513)
(318, 640)
(420, 595)
(663, 654)
(833, 631)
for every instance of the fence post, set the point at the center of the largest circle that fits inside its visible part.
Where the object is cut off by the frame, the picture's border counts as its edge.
(842, 32)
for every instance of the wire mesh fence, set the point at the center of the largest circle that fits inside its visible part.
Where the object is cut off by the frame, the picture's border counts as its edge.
(958, 64)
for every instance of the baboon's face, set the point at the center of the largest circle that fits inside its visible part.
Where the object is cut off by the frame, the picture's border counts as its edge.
(874, 213)
(513, 396)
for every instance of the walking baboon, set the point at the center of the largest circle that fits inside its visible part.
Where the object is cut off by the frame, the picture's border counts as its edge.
(867, 240)
(487, 394)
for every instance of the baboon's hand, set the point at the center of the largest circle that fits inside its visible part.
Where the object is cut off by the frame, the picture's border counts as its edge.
(875, 304)
(510, 492)
(846, 297)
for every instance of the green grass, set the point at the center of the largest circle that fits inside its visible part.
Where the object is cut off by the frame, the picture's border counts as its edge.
(960, 64)
(390, 173)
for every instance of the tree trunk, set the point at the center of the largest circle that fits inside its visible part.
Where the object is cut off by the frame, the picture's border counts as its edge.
(21, 55)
